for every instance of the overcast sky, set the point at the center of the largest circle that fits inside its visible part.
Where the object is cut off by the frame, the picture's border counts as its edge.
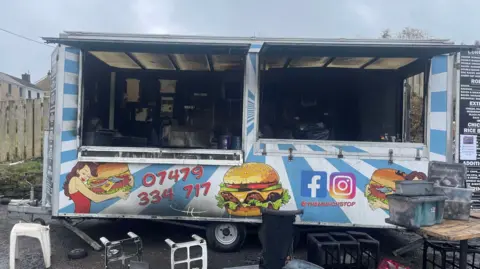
(454, 19)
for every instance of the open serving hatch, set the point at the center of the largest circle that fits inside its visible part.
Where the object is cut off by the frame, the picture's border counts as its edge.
(341, 97)
(170, 99)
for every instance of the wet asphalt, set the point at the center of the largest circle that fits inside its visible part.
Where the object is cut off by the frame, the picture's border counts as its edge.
(156, 251)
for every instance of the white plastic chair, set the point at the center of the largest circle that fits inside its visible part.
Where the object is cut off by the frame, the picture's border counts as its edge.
(198, 241)
(42, 233)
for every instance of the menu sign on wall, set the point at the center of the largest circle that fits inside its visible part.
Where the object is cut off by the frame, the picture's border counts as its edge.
(469, 118)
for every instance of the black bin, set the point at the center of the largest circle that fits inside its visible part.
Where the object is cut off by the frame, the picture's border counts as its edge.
(276, 235)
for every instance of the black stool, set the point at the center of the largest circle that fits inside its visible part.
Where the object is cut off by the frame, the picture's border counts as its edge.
(276, 235)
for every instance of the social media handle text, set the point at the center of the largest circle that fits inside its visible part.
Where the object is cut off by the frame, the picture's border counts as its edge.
(323, 204)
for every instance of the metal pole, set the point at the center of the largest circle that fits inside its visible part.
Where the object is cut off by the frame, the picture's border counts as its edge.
(450, 89)
(111, 118)
(463, 254)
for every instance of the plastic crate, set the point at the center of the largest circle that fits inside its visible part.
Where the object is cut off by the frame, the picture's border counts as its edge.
(457, 210)
(447, 174)
(455, 194)
(333, 250)
(369, 250)
(413, 187)
(415, 211)
(445, 255)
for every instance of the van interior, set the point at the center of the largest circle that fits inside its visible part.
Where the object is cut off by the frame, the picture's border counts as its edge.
(342, 97)
(163, 100)
(194, 100)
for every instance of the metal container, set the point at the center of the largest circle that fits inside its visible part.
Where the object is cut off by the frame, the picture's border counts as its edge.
(237, 143)
(225, 142)
(413, 187)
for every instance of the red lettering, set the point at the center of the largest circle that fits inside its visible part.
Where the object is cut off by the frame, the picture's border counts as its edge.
(189, 189)
(156, 198)
(185, 171)
(162, 175)
(143, 198)
(147, 183)
(173, 174)
(197, 190)
(197, 171)
(168, 193)
(206, 187)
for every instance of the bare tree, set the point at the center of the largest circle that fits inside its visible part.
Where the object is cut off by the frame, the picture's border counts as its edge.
(386, 34)
(412, 33)
(405, 33)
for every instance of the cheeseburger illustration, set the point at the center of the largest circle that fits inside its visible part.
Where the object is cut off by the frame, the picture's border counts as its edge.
(248, 188)
(111, 178)
(382, 184)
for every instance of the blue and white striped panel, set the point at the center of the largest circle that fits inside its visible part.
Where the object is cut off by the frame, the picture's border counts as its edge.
(68, 155)
(438, 108)
(250, 112)
(251, 86)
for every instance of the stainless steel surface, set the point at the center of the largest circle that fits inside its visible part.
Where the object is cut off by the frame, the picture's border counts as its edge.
(450, 85)
(23, 207)
(456, 88)
(155, 155)
(79, 35)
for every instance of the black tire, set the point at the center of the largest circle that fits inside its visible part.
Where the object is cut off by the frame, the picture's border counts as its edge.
(77, 253)
(237, 230)
(5, 201)
(39, 221)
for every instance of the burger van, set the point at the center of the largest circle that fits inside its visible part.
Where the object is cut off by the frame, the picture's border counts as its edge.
(209, 130)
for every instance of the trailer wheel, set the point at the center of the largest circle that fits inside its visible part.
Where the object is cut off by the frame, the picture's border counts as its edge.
(225, 236)
(40, 221)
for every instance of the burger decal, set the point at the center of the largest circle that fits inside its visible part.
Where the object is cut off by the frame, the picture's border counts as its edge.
(89, 183)
(111, 178)
(382, 183)
(248, 188)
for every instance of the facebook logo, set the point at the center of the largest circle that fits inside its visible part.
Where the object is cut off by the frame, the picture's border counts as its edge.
(313, 184)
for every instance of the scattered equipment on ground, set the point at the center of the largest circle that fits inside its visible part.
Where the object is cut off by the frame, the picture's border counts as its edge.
(193, 259)
(115, 252)
(343, 250)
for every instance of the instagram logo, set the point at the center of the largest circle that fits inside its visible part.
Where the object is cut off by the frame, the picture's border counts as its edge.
(342, 185)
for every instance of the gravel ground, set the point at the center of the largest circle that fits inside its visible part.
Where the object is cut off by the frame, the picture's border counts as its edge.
(156, 251)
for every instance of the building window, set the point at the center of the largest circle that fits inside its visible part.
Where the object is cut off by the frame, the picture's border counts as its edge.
(20, 90)
(29, 94)
(38, 95)
(9, 89)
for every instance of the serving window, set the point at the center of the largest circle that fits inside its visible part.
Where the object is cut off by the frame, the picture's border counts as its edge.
(342, 98)
(171, 107)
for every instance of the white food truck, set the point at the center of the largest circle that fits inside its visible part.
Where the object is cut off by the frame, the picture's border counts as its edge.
(209, 130)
